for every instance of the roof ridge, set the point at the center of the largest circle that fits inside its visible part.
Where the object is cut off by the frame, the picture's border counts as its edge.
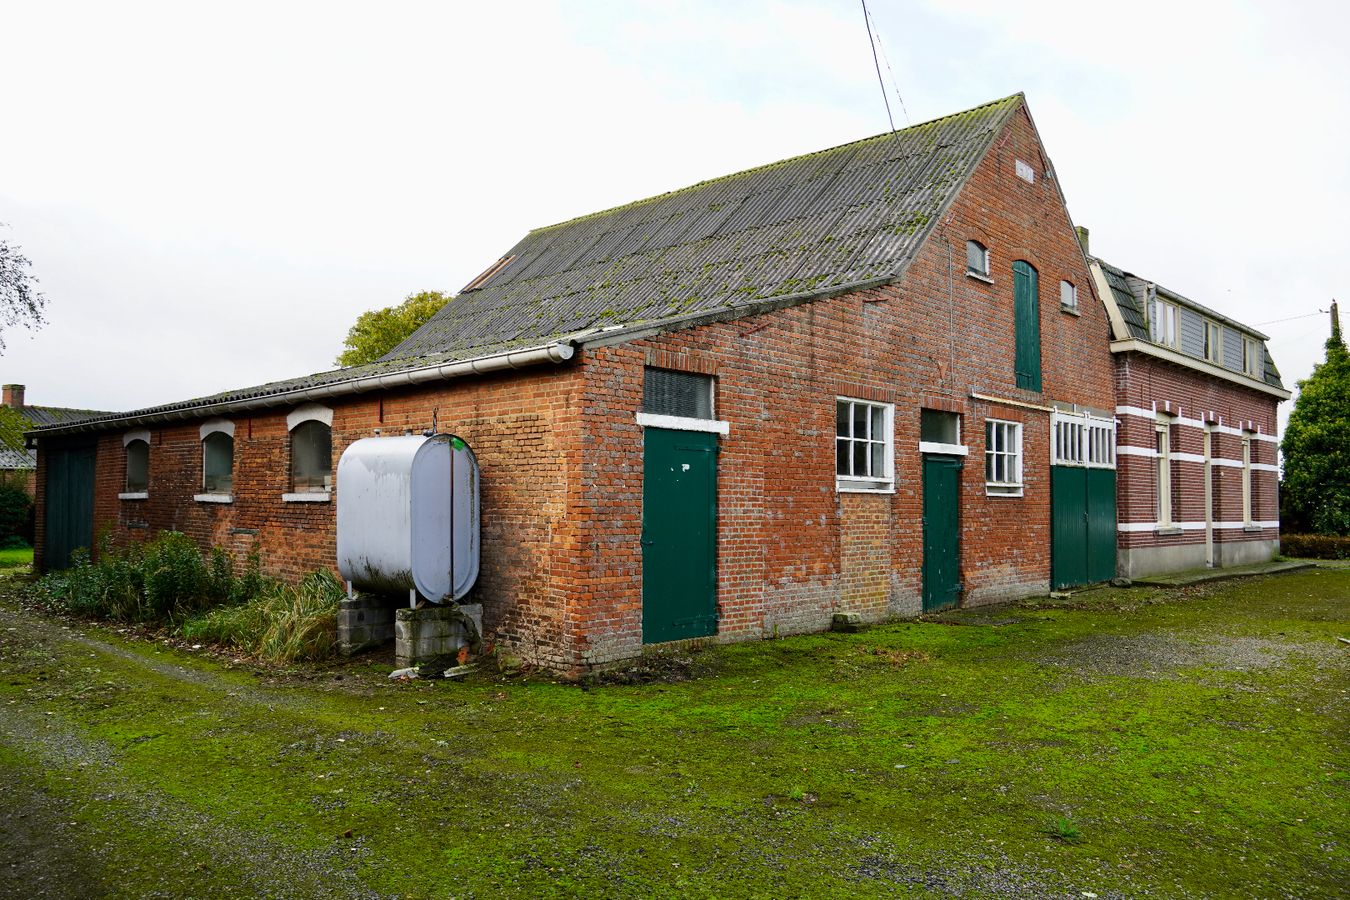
(1020, 95)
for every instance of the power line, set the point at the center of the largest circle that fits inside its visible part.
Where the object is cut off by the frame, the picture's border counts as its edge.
(882, 45)
(1320, 312)
(867, 20)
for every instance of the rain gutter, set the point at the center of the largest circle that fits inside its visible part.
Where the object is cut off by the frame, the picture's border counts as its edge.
(557, 352)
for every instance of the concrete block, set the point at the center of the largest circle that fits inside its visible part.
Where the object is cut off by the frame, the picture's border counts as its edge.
(363, 623)
(422, 635)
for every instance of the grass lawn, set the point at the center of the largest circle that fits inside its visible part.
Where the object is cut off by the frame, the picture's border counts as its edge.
(11, 558)
(1129, 743)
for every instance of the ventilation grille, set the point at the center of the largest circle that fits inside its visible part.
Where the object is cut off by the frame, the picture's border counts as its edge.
(677, 394)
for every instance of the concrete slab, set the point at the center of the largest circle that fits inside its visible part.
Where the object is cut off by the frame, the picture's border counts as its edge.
(1203, 576)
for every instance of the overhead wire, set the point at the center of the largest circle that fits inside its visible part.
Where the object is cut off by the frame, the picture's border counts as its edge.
(867, 20)
(875, 31)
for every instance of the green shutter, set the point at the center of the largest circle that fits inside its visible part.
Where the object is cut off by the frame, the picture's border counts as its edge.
(1026, 326)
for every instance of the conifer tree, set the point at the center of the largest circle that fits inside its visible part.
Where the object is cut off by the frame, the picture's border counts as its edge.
(1317, 443)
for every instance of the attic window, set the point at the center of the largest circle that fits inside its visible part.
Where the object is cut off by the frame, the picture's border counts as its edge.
(488, 275)
(977, 259)
(1026, 172)
(683, 394)
(1068, 295)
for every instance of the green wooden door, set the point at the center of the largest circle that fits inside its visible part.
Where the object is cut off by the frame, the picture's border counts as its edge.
(1026, 326)
(69, 502)
(941, 532)
(1101, 524)
(1082, 525)
(1068, 526)
(679, 535)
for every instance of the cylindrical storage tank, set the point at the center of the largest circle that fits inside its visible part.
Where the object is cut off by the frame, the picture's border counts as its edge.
(445, 527)
(408, 516)
(374, 513)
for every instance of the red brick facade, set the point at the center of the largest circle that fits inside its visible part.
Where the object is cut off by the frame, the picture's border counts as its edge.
(1193, 404)
(562, 462)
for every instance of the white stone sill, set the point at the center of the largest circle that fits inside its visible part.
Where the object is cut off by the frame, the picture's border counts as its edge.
(851, 487)
(134, 495)
(312, 497)
(213, 498)
(985, 278)
(681, 423)
(947, 449)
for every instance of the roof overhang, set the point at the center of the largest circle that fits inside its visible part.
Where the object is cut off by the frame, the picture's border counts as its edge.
(1133, 345)
(555, 352)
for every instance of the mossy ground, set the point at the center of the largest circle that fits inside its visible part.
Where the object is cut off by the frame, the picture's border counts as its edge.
(1195, 738)
(12, 558)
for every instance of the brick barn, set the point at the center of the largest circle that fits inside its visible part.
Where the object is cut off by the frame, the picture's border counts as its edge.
(830, 384)
(1196, 398)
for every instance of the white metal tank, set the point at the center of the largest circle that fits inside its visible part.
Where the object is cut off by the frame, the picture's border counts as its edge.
(408, 515)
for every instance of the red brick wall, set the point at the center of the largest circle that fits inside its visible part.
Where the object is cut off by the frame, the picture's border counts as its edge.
(1149, 384)
(561, 450)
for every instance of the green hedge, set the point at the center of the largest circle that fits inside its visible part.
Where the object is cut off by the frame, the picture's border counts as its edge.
(1314, 546)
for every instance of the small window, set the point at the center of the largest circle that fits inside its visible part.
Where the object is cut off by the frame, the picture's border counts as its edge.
(1003, 458)
(1068, 295)
(683, 394)
(138, 467)
(218, 463)
(1253, 360)
(862, 445)
(1026, 172)
(1164, 473)
(311, 457)
(1213, 343)
(1166, 333)
(938, 427)
(977, 259)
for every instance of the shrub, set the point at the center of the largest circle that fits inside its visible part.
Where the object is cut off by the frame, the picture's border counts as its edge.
(1314, 546)
(165, 580)
(285, 623)
(16, 507)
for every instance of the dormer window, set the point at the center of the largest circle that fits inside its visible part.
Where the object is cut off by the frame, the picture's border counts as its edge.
(1165, 326)
(1253, 361)
(1213, 343)
(977, 259)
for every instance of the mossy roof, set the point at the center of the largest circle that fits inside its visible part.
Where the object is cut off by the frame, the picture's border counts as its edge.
(841, 216)
(14, 422)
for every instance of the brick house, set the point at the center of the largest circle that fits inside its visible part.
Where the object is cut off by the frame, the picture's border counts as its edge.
(1196, 398)
(830, 384)
(17, 417)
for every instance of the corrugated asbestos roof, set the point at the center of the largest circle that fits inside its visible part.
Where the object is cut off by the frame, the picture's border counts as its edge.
(14, 422)
(840, 216)
(808, 224)
(1136, 318)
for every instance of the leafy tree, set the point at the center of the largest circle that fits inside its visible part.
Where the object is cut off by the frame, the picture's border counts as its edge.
(380, 330)
(1317, 443)
(20, 302)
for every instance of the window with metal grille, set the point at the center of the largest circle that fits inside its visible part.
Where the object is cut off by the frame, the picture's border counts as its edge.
(1003, 458)
(862, 445)
(1080, 439)
(683, 394)
(138, 467)
(977, 259)
(218, 463)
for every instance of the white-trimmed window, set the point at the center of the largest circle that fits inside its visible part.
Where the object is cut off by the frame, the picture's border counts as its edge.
(1247, 479)
(218, 463)
(311, 458)
(1068, 295)
(138, 466)
(1082, 439)
(1163, 431)
(1253, 360)
(1165, 324)
(1213, 342)
(863, 450)
(1003, 458)
(977, 259)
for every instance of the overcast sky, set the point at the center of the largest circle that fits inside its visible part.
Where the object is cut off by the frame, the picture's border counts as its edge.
(211, 194)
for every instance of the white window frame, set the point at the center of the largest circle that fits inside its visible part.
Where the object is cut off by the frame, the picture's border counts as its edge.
(1068, 294)
(1163, 436)
(867, 484)
(1212, 330)
(1025, 172)
(1082, 440)
(1013, 458)
(1253, 360)
(1167, 325)
(1247, 479)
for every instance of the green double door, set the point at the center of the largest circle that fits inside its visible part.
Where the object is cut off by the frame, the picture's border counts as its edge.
(1082, 525)
(69, 507)
(941, 532)
(679, 535)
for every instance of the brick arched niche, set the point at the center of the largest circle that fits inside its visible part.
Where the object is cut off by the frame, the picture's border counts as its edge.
(311, 454)
(217, 437)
